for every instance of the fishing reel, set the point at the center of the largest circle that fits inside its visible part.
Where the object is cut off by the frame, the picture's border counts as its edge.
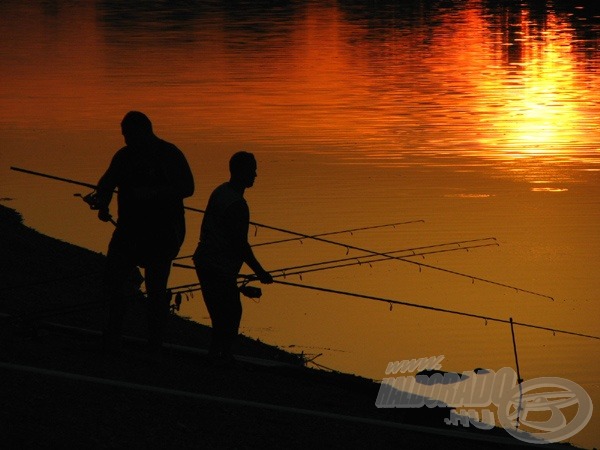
(92, 200)
(251, 291)
(94, 203)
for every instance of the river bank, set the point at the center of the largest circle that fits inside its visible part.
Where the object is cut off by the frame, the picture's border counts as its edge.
(59, 389)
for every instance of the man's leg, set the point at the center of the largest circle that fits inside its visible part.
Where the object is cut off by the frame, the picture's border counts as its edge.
(221, 297)
(232, 307)
(211, 294)
(118, 270)
(157, 276)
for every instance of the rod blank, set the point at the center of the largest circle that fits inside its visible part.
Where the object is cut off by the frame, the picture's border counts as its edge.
(433, 308)
(321, 239)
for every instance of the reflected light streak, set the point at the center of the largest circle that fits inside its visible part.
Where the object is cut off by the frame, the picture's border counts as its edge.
(539, 117)
(324, 85)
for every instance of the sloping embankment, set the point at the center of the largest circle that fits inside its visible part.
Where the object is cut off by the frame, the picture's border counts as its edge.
(58, 389)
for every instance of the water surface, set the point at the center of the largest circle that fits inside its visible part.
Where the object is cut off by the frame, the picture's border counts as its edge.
(479, 118)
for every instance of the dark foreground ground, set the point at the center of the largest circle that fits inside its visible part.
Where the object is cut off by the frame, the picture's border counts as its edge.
(58, 390)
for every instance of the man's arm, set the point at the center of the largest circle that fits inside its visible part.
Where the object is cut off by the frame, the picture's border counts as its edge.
(185, 181)
(105, 189)
(238, 220)
(180, 180)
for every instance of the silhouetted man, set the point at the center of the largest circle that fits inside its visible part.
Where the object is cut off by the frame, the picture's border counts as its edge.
(152, 177)
(222, 250)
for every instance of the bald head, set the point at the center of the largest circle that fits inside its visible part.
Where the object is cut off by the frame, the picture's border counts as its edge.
(136, 128)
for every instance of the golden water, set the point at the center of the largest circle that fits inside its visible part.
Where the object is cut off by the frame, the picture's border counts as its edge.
(480, 120)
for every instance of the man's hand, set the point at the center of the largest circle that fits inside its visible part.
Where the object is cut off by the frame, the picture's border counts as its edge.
(104, 215)
(264, 277)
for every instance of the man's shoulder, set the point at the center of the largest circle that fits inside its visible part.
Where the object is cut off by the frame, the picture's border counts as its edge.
(121, 154)
(221, 190)
(169, 147)
(166, 144)
(227, 196)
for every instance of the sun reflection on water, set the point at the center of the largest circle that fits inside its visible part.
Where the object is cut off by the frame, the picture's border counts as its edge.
(537, 118)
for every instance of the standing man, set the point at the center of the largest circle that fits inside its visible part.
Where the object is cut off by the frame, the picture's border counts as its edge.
(152, 177)
(222, 250)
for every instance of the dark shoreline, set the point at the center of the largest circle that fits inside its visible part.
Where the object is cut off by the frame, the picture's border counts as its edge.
(58, 389)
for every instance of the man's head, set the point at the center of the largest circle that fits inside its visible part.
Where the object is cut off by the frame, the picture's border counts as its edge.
(136, 128)
(242, 167)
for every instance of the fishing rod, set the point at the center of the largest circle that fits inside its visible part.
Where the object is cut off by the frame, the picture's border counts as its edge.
(434, 308)
(347, 262)
(331, 233)
(93, 186)
(374, 253)
(91, 201)
(245, 279)
(351, 230)
(53, 177)
(195, 286)
(321, 239)
(252, 292)
(419, 264)
(444, 244)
